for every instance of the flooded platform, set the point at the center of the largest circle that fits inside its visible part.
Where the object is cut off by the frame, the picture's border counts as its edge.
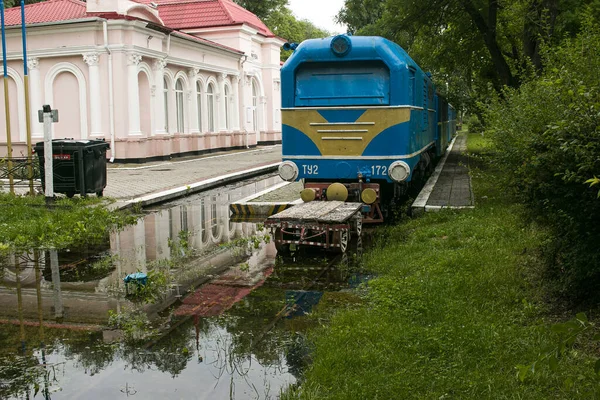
(230, 323)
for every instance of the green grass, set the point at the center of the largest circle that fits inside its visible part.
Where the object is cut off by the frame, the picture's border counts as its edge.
(457, 305)
(26, 223)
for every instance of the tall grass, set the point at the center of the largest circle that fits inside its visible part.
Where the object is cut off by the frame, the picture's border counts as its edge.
(456, 306)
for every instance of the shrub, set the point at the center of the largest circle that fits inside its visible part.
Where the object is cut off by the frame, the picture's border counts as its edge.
(548, 138)
(475, 125)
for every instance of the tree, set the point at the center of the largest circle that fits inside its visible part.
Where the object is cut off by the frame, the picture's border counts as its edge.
(262, 8)
(485, 41)
(358, 15)
(14, 3)
(285, 25)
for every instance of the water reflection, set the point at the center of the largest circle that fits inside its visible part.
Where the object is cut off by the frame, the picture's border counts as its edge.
(252, 351)
(80, 290)
(247, 344)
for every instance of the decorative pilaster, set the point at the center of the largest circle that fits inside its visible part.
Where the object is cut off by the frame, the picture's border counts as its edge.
(92, 60)
(248, 78)
(133, 94)
(235, 113)
(159, 101)
(262, 115)
(35, 96)
(222, 123)
(194, 112)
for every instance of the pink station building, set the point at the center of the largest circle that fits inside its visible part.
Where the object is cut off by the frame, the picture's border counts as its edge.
(155, 79)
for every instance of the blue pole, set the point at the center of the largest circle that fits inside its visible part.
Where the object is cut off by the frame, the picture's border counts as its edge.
(3, 40)
(6, 103)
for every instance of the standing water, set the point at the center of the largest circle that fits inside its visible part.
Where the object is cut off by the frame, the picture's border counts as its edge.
(227, 323)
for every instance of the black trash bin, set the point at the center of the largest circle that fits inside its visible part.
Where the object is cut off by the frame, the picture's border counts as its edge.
(79, 166)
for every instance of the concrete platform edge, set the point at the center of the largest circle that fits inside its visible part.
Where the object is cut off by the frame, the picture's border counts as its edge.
(206, 184)
(420, 203)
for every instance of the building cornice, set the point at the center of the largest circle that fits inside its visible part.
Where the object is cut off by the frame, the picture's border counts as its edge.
(95, 24)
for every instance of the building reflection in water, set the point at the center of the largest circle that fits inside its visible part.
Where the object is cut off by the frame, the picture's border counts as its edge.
(64, 293)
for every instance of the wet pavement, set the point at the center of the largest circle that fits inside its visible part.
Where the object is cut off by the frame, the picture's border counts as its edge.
(231, 322)
(450, 184)
(131, 182)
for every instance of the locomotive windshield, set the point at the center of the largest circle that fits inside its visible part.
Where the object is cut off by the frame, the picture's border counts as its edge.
(357, 83)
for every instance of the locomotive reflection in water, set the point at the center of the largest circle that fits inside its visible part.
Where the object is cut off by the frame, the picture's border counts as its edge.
(361, 121)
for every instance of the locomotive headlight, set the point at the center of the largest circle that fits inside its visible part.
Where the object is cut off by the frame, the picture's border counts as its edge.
(341, 45)
(399, 171)
(288, 171)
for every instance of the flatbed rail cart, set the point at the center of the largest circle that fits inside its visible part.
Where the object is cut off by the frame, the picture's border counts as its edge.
(326, 224)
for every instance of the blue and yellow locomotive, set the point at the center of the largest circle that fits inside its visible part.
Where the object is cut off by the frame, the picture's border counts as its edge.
(360, 119)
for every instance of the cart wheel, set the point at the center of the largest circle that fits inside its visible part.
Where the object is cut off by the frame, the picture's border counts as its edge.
(282, 249)
(358, 225)
(70, 194)
(100, 193)
(344, 239)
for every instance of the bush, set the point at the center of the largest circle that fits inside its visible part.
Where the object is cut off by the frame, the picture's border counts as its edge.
(475, 125)
(548, 138)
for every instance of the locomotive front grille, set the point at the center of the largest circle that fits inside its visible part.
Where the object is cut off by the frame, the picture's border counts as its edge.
(341, 138)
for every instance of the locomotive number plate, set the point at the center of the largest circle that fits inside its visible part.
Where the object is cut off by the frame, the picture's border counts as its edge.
(310, 169)
(379, 170)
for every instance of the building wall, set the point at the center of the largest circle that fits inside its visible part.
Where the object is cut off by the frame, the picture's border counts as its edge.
(70, 69)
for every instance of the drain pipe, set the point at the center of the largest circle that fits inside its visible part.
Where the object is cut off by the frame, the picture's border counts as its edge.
(241, 93)
(111, 96)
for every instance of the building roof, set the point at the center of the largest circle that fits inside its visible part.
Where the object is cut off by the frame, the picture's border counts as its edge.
(47, 11)
(176, 14)
(189, 14)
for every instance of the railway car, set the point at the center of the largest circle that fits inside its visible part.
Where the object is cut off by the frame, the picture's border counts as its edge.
(361, 121)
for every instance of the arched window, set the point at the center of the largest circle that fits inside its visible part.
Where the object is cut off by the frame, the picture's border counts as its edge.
(254, 106)
(210, 106)
(180, 106)
(166, 99)
(226, 99)
(199, 97)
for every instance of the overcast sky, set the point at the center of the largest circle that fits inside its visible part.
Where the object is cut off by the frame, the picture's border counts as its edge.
(319, 12)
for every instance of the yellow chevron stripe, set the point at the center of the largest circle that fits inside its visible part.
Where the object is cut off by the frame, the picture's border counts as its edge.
(383, 118)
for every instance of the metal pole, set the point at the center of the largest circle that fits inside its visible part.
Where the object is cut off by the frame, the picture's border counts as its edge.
(48, 167)
(27, 105)
(38, 290)
(58, 303)
(20, 303)
(11, 184)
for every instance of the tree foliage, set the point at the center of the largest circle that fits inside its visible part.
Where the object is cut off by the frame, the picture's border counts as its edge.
(14, 3)
(550, 144)
(471, 44)
(262, 8)
(284, 24)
